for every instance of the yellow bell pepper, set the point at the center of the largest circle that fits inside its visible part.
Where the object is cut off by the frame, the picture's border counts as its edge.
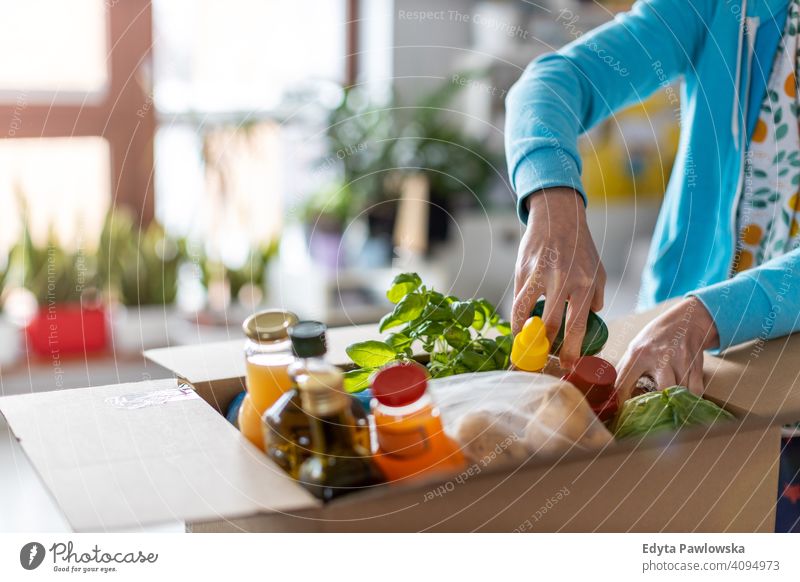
(531, 346)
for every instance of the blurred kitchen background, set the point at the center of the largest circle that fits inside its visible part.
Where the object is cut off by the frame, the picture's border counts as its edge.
(167, 167)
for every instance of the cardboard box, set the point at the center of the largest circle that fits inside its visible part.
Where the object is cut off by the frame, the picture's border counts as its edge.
(121, 456)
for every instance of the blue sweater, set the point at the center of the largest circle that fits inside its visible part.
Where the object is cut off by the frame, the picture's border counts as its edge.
(725, 61)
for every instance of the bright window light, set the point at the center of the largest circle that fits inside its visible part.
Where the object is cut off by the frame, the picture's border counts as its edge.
(243, 54)
(53, 46)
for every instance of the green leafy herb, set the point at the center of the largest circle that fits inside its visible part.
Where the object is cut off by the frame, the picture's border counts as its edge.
(460, 336)
(669, 409)
(402, 285)
(371, 354)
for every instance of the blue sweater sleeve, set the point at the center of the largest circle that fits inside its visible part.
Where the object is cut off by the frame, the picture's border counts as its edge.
(561, 95)
(761, 303)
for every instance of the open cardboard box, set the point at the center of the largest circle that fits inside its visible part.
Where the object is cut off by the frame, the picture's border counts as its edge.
(126, 455)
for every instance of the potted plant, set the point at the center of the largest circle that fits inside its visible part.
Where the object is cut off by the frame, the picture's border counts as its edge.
(325, 215)
(241, 285)
(70, 318)
(375, 145)
(139, 268)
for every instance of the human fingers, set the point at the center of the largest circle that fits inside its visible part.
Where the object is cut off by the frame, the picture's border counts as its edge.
(575, 328)
(523, 303)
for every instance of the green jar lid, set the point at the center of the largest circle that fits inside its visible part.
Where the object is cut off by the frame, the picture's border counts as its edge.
(596, 331)
(308, 339)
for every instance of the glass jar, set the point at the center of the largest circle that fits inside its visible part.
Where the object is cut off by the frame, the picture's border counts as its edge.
(268, 353)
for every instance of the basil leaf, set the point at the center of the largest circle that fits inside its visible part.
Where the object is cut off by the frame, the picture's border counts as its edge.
(438, 313)
(389, 321)
(479, 320)
(399, 341)
(463, 312)
(371, 354)
(431, 329)
(410, 307)
(402, 285)
(457, 337)
(471, 359)
(505, 343)
(503, 327)
(357, 380)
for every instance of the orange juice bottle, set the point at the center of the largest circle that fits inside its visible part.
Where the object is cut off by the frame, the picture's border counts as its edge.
(250, 423)
(411, 438)
(268, 354)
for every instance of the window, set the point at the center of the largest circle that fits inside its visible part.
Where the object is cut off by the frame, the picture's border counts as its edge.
(76, 87)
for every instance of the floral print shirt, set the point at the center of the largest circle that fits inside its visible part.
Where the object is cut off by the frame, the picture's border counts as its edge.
(767, 216)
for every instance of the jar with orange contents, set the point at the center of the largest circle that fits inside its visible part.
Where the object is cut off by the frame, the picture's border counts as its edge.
(411, 438)
(268, 353)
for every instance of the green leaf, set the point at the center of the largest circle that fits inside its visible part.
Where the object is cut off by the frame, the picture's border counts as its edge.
(389, 321)
(505, 343)
(430, 329)
(402, 285)
(357, 380)
(371, 353)
(463, 312)
(781, 131)
(503, 327)
(410, 307)
(471, 359)
(436, 298)
(479, 322)
(438, 313)
(399, 341)
(457, 337)
(759, 173)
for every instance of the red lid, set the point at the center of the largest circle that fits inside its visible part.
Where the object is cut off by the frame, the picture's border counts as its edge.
(400, 384)
(592, 371)
(606, 410)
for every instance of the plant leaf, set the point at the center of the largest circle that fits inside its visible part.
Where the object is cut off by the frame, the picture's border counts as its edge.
(399, 341)
(389, 321)
(457, 337)
(371, 353)
(410, 307)
(357, 380)
(463, 312)
(402, 285)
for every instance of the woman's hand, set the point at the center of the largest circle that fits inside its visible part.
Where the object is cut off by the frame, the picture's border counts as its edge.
(670, 349)
(557, 258)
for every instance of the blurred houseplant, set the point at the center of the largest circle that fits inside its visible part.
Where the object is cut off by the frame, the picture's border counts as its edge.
(242, 284)
(139, 269)
(376, 145)
(71, 317)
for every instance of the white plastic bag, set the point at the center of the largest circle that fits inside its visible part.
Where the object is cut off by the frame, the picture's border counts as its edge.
(516, 414)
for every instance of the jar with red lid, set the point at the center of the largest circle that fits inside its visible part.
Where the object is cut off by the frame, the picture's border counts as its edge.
(596, 378)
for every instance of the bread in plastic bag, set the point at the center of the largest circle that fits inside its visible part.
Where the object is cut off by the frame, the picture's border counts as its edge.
(516, 414)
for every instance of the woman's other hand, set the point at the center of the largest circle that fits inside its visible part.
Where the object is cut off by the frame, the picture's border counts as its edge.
(670, 349)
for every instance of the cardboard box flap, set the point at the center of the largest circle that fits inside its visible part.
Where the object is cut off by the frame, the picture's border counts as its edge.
(758, 377)
(122, 456)
(225, 360)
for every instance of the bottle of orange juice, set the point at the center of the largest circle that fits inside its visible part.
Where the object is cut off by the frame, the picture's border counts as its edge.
(268, 353)
(411, 438)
